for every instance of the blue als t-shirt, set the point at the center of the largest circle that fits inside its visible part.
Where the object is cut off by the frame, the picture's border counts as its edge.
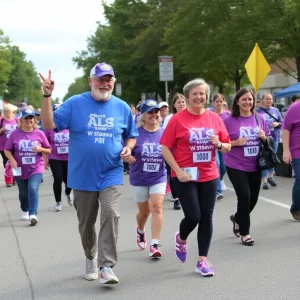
(96, 132)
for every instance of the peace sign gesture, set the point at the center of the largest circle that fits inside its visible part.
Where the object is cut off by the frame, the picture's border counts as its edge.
(48, 84)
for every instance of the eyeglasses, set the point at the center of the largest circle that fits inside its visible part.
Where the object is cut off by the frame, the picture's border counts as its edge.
(103, 79)
(29, 117)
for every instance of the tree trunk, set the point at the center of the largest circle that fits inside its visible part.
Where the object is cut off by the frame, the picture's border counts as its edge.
(237, 80)
(298, 67)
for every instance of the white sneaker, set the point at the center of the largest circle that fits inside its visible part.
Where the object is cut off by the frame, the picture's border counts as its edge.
(70, 199)
(33, 220)
(107, 276)
(223, 185)
(25, 216)
(58, 206)
(91, 270)
(172, 198)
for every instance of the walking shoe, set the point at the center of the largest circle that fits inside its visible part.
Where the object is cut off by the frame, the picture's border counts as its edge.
(223, 185)
(172, 198)
(141, 239)
(154, 251)
(25, 216)
(33, 220)
(265, 186)
(204, 268)
(91, 270)
(70, 198)
(296, 215)
(107, 276)
(180, 249)
(8, 185)
(272, 182)
(168, 190)
(220, 196)
(177, 205)
(58, 206)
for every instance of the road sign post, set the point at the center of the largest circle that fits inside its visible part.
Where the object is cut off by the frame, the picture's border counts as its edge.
(166, 71)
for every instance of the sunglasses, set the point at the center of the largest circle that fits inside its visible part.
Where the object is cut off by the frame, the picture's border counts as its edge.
(29, 117)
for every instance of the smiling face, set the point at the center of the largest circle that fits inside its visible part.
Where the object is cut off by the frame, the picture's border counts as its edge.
(101, 87)
(197, 98)
(28, 122)
(245, 103)
(152, 118)
(180, 104)
(267, 100)
(8, 113)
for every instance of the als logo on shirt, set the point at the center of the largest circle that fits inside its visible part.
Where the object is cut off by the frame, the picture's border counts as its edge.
(11, 127)
(100, 122)
(27, 145)
(249, 132)
(61, 137)
(151, 149)
(268, 119)
(200, 135)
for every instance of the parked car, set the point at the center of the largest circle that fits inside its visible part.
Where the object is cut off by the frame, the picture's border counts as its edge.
(284, 110)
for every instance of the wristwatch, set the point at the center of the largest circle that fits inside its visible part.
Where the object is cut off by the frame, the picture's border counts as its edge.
(219, 148)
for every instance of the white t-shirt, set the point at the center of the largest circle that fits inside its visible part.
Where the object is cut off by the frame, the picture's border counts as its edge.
(166, 121)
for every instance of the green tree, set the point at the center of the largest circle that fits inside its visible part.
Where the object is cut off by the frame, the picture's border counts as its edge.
(79, 86)
(5, 62)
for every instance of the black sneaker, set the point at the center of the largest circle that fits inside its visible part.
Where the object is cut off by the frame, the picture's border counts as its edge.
(272, 182)
(177, 205)
(265, 186)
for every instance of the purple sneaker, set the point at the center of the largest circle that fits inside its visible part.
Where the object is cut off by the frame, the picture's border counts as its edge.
(180, 249)
(204, 269)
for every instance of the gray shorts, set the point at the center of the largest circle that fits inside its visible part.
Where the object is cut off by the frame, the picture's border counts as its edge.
(141, 193)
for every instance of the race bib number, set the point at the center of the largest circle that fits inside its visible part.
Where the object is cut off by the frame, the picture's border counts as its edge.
(251, 151)
(29, 160)
(7, 136)
(62, 150)
(201, 156)
(151, 167)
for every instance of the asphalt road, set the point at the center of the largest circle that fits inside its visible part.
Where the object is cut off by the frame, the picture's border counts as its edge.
(47, 261)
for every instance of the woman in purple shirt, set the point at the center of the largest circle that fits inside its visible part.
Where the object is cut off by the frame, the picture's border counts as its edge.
(148, 176)
(8, 124)
(245, 135)
(273, 118)
(218, 103)
(291, 152)
(58, 162)
(24, 149)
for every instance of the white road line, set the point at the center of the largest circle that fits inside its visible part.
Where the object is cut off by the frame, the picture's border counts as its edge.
(267, 200)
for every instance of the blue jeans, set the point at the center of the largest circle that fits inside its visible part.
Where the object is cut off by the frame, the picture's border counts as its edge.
(28, 193)
(222, 169)
(296, 188)
(264, 173)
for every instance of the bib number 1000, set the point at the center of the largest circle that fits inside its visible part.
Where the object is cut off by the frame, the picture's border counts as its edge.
(251, 151)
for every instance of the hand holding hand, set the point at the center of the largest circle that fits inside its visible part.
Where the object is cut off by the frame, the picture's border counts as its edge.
(126, 152)
(48, 84)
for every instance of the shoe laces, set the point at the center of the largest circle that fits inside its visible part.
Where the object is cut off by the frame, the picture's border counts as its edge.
(204, 263)
(91, 266)
(156, 246)
(182, 246)
(141, 237)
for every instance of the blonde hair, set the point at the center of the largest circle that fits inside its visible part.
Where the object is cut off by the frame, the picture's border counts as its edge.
(35, 124)
(141, 121)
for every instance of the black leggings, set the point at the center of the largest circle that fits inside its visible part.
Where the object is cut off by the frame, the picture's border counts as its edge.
(198, 201)
(4, 158)
(247, 187)
(59, 170)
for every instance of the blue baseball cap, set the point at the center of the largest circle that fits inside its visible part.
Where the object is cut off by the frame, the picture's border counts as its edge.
(27, 112)
(37, 113)
(149, 105)
(101, 69)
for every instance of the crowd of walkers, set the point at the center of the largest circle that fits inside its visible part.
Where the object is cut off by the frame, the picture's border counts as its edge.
(92, 138)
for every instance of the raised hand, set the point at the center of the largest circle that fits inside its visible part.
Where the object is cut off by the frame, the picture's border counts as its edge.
(48, 83)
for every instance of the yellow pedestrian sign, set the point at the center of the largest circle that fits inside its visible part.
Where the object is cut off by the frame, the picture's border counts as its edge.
(257, 67)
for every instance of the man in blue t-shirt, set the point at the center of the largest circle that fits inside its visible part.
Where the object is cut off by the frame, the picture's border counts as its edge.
(98, 123)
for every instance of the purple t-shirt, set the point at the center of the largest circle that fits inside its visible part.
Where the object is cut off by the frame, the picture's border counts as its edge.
(149, 168)
(273, 111)
(10, 127)
(59, 142)
(291, 122)
(244, 157)
(20, 144)
(225, 114)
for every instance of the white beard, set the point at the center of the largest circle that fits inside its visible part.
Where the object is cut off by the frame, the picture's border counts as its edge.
(101, 96)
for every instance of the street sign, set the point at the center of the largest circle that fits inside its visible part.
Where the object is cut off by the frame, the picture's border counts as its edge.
(118, 89)
(166, 68)
(143, 96)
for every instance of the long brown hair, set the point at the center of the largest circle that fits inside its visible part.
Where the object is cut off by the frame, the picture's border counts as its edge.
(175, 98)
(235, 110)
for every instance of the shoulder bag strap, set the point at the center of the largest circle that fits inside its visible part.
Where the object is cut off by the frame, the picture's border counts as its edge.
(270, 115)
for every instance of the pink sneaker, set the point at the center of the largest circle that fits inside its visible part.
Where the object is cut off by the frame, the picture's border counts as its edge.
(154, 251)
(141, 239)
(168, 190)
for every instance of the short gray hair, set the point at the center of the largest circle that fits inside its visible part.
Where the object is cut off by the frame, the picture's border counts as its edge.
(193, 83)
